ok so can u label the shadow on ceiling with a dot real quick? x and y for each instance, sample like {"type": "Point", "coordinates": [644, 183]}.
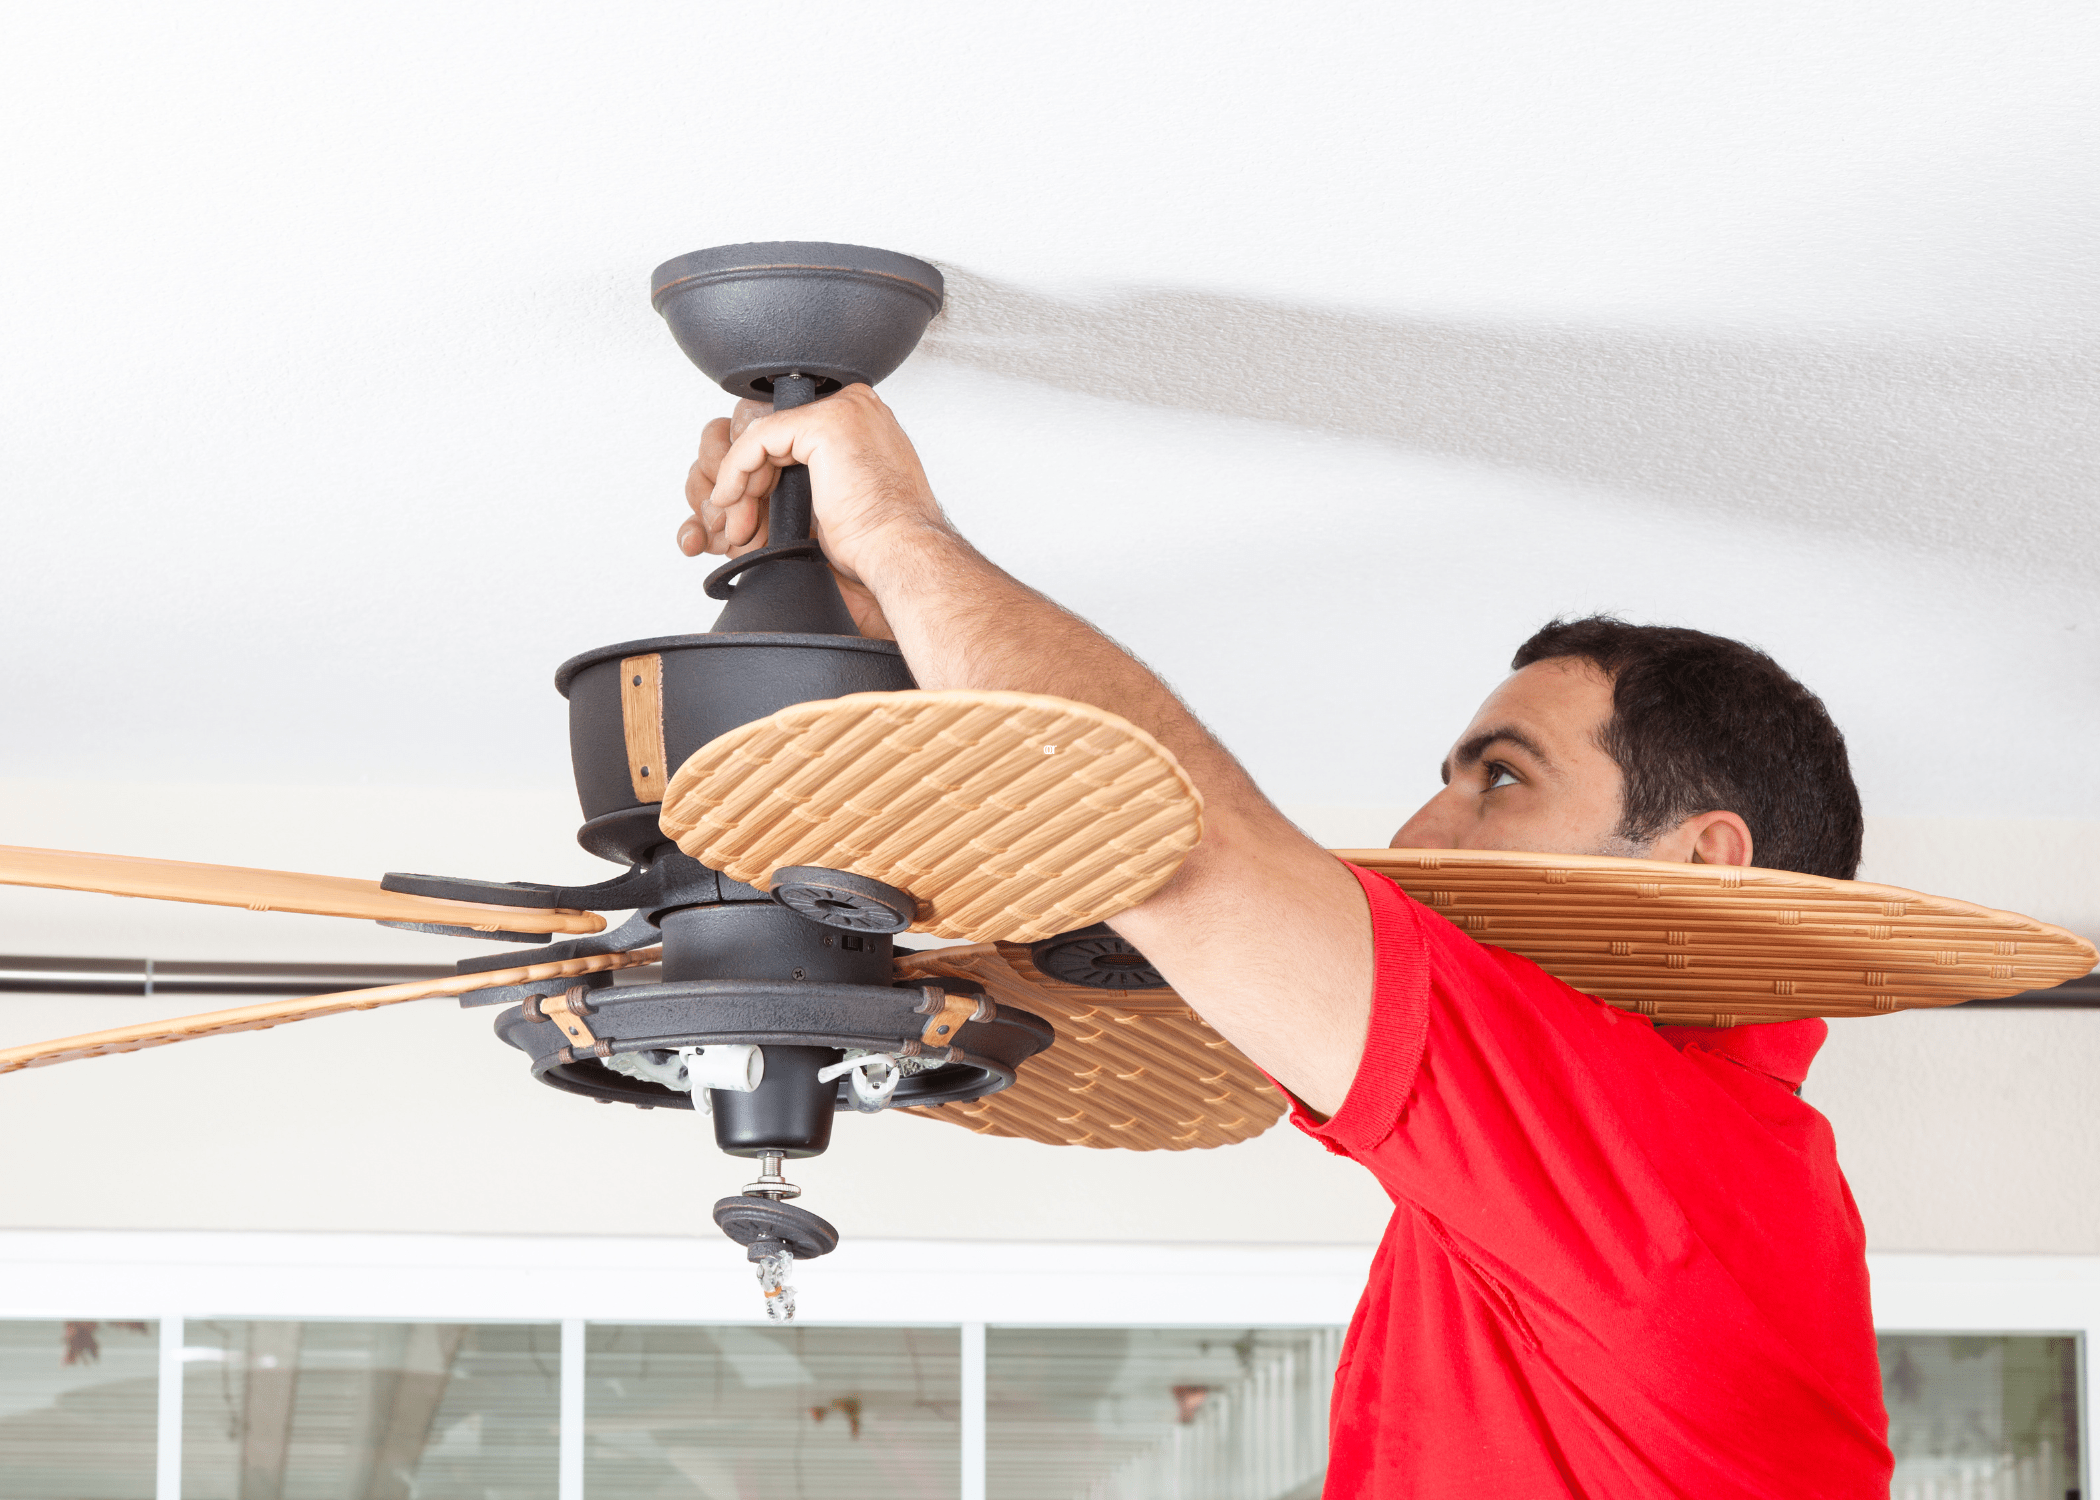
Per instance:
{"type": "Point", "coordinates": [1962, 445]}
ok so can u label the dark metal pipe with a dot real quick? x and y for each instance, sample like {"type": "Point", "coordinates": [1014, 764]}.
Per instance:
{"type": "Point", "coordinates": [790, 512]}
{"type": "Point", "coordinates": [147, 977]}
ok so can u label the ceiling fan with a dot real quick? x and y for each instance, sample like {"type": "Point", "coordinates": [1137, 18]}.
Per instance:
{"type": "Point", "coordinates": [784, 800]}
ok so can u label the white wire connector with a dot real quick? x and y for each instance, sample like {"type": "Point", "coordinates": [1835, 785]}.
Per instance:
{"type": "Point", "coordinates": [871, 1077]}
{"type": "Point", "coordinates": [737, 1067]}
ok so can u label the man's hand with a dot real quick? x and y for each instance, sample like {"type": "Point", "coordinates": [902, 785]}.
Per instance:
{"type": "Point", "coordinates": [1298, 1009]}
{"type": "Point", "coordinates": [865, 477]}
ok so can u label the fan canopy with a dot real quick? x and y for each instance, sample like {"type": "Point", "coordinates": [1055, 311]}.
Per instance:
{"type": "Point", "coordinates": [845, 314]}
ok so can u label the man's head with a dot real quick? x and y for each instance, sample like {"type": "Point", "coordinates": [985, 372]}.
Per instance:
{"type": "Point", "coordinates": [1648, 741]}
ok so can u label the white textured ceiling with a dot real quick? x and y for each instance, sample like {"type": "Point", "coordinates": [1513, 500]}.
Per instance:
{"type": "Point", "coordinates": [1318, 353]}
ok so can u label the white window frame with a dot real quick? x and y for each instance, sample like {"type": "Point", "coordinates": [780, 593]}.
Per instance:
{"type": "Point", "coordinates": [178, 1276]}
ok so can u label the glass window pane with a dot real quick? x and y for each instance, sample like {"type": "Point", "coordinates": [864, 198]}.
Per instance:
{"type": "Point", "coordinates": [385, 1411]}
{"type": "Point", "coordinates": [725, 1413]}
{"type": "Point", "coordinates": [1146, 1413]}
{"type": "Point", "coordinates": [78, 1405]}
{"type": "Point", "coordinates": [1990, 1417]}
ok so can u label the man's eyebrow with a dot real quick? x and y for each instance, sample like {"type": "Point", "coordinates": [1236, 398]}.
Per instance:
{"type": "Point", "coordinates": [1470, 752]}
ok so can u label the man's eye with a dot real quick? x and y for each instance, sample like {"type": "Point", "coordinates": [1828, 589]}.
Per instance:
{"type": "Point", "coordinates": [1499, 776]}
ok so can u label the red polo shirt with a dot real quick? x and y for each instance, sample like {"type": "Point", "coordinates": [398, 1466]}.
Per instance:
{"type": "Point", "coordinates": [1622, 1262]}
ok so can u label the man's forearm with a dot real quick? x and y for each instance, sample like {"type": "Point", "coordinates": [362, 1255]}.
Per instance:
{"type": "Point", "coordinates": [964, 622]}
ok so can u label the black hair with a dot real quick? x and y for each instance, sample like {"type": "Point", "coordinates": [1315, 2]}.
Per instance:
{"type": "Point", "coordinates": [1700, 724]}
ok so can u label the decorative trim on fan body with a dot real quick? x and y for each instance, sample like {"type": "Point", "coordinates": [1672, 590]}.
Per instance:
{"type": "Point", "coordinates": [707, 685]}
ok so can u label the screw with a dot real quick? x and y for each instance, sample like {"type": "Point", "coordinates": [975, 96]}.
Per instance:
{"type": "Point", "coordinates": [645, 770]}
{"type": "Point", "coordinates": [798, 974]}
{"type": "Point", "coordinates": [638, 679]}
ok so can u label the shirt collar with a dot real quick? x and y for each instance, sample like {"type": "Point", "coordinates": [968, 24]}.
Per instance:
{"type": "Point", "coordinates": [1781, 1050]}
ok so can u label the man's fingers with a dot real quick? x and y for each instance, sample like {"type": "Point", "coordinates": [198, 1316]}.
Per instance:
{"type": "Point", "coordinates": [850, 437]}
{"type": "Point", "coordinates": [718, 435]}
{"type": "Point", "coordinates": [741, 523]}
{"type": "Point", "coordinates": [715, 439]}
{"type": "Point", "coordinates": [712, 527]}
{"type": "Point", "coordinates": [734, 522]}
{"type": "Point", "coordinates": [727, 532]}
{"type": "Point", "coordinates": [760, 451]}
{"type": "Point", "coordinates": [700, 481]}
{"type": "Point", "coordinates": [747, 411]}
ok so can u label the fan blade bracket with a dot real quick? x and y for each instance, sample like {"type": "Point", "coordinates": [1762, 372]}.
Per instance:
{"type": "Point", "coordinates": [482, 892]}
{"type": "Point", "coordinates": [638, 931]}
{"type": "Point", "coordinates": [486, 934]}
{"type": "Point", "coordinates": [621, 893]}
{"type": "Point", "coordinates": [665, 878]}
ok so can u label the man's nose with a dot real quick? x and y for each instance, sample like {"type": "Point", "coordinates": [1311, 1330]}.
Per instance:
{"type": "Point", "coordinates": [1434, 825]}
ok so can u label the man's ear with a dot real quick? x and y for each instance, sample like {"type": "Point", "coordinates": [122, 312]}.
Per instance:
{"type": "Point", "coordinates": [1715, 838]}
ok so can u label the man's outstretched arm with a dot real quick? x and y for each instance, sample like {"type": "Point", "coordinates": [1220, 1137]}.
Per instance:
{"type": "Point", "coordinates": [1260, 930]}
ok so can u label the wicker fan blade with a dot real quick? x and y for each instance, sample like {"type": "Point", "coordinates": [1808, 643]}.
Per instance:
{"type": "Point", "coordinates": [1130, 1068]}
{"type": "Point", "coordinates": [1717, 945]}
{"type": "Point", "coordinates": [1686, 944]}
{"type": "Point", "coordinates": [271, 890]}
{"type": "Point", "coordinates": [1007, 815]}
{"type": "Point", "coordinates": [282, 1012]}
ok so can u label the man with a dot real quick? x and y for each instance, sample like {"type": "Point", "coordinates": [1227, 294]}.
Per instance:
{"type": "Point", "coordinates": [1623, 1261]}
